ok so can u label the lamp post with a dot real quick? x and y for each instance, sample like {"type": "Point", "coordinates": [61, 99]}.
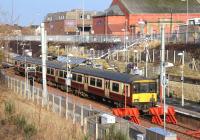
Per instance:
{"type": "Point", "coordinates": [182, 77]}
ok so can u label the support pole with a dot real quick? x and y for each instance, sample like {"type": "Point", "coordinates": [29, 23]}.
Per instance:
{"type": "Point", "coordinates": [162, 73]}
{"type": "Point", "coordinates": [44, 68]}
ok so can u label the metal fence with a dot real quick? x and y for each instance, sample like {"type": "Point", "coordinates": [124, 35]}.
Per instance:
{"type": "Point", "coordinates": [86, 116]}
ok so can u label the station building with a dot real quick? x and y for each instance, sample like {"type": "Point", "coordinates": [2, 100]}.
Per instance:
{"type": "Point", "coordinates": [145, 16]}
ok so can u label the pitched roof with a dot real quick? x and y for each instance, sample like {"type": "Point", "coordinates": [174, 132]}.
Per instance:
{"type": "Point", "coordinates": [161, 6]}
{"type": "Point", "coordinates": [114, 10]}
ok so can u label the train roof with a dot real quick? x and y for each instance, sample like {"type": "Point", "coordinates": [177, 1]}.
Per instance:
{"type": "Point", "coordinates": [53, 64]}
{"type": "Point", "coordinates": [110, 75]}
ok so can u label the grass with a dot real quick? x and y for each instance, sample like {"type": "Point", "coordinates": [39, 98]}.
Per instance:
{"type": "Point", "coordinates": [32, 122]}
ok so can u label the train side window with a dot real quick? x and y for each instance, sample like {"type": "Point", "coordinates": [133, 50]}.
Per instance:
{"type": "Point", "coordinates": [92, 81]}
{"type": "Point", "coordinates": [52, 71]}
{"type": "Point", "coordinates": [74, 77]}
{"type": "Point", "coordinates": [40, 68]}
{"type": "Point", "coordinates": [79, 78]}
{"type": "Point", "coordinates": [99, 83]}
{"type": "Point", "coordinates": [115, 87]}
{"type": "Point", "coordinates": [61, 73]}
{"type": "Point", "coordinates": [86, 79]}
{"type": "Point", "coordinates": [65, 74]}
{"type": "Point", "coordinates": [37, 68]}
{"type": "Point", "coordinates": [48, 71]}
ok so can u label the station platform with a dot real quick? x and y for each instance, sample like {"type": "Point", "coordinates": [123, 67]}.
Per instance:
{"type": "Point", "coordinates": [189, 109]}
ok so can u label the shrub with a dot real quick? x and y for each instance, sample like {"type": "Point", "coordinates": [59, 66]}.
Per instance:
{"type": "Point", "coordinates": [20, 121]}
{"type": "Point", "coordinates": [29, 131]}
{"type": "Point", "coordinates": [9, 110]}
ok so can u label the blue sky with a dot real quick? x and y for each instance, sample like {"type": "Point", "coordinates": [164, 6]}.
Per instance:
{"type": "Point", "coordinates": [28, 12]}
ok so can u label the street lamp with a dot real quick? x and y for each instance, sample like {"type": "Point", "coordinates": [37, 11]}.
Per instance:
{"type": "Point", "coordinates": [182, 77]}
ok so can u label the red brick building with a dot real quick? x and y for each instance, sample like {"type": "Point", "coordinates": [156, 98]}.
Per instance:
{"type": "Point", "coordinates": [145, 16]}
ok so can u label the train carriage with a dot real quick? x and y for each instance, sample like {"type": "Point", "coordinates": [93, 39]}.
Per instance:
{"type": "Point", "coordinates": [113, 87]}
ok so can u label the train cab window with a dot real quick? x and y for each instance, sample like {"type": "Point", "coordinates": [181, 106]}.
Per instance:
{"type": "Point", "coordinates": [152, 87]}
{"type": "Point", "coordinates": [115, 87]}
{"type": "Point", "coordinates": [74, 77]}
{"type": "Point", "coordinates": [136, 88]}
{"type": "Point", "coordinates": [48, 71]}
{"type": "Point", "coordinates": [92, 81]}
{"type": "Point", "coordinates": [52, 71]}
{"type": "Point", "coordinates": [79, 78]}
{"type": "Point", "coordinates": [61, 73]}
{"type": "Point", "coordinates": [29, 65]}
{"type": "Point", "coordinates": [99, 83]}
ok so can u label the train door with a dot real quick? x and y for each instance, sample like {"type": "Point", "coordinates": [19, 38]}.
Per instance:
{"type": "Point", "coordinates": [107, 88]}
{"type": "Point", "coordinates": [86, 83]}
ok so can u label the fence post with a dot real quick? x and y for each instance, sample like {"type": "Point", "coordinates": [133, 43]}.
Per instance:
{"type": "Point", "coordinates": [21, 88]}
{"type": "Point", "coordinates": [174, 56]}
{"type": "Point", "coordinates": [53, 104]}
{"type": "Point", "coordinates": [11, 83]}
{"type": "Point", "coordinates": [66, 114]}
{"type": "Point", "coordinates": [38, 96]}
{"type": "Point", "coordinates": [153, 55]}
{"type": "Point", "coordinates": [74, 116]}
{"type": "Point", "coordinates": [167, 55]}
{"type": "Point", "coordinates": [97, 131]}
{"type": "Point", "coordinates": [85, 126]}
{"type": "Point", "coordinates": [81, 115]}
{"type": "Point", "coordinates": [60, 107]}
{"type": "Point", "coordinates": [33, 94]}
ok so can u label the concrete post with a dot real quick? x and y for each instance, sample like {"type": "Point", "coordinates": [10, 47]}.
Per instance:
{"type": "Point", "coordinates": [153, 55]}
{"type": "Point", "coordinates": [74, 116]}
{"type": "Point", "coordinates": [85, 126]}
{"type": "Point", "coordinates": [167, 55]}
{"type": "Point", "coordinates": [38, 96]}
{"type": "Point", "coordinates": [60, 107]}
{"type": "Point", "coordinates": [53, 104]}
{"type": "Point", "coordinates": [81, 115]}
{"type": "Point", "coordinates": [97, 130]}
{"type": "Point", "coordinates": [21, 88]}
{"type": "Point", "coordinates": [174, 56]}
{"type": "Point", "coordinates": [33, 94]}
{"type": "Point", "coordinates": [66, 114]}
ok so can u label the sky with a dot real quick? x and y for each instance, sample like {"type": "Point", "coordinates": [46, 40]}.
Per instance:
{"type": "Point", "coordinates": [27, 12]}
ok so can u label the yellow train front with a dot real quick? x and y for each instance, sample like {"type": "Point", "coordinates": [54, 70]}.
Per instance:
{"type": "Point", "coordinates": [144, 94]}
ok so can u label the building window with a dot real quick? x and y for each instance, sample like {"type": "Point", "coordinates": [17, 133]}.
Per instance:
{"type": "Point", "coordinates": [88, 16]}
{"type": "Point", "coordinates": [99, 83]}
{"type": "Point", "coordinates": [80, 78]}
{"type": "Point", "coordinates": [74, 77]}
{"type": "Point", "coordinates": [115, 87]}
{"type": "Point", "coordinates": [92, 81]}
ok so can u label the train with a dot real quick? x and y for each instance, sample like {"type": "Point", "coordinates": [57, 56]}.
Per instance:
{"type": "Point", "coordinates": [115, 88]}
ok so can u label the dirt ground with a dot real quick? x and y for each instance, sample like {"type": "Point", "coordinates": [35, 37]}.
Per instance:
{"type": "Point", "coordinates": [49, 125]}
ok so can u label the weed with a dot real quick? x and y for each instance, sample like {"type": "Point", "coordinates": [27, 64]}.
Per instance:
{"type": "Point", "coordinates": [29, 131]}
{"type": "Point", "coordinates": [20, 121]}
{"type": "Point", "coordinates": [9, 110]}
{"type": "Point", "coordinates": [112, 134]}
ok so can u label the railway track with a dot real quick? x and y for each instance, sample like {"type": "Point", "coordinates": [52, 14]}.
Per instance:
{"type": "Point", "coordinates": [183, 131]}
